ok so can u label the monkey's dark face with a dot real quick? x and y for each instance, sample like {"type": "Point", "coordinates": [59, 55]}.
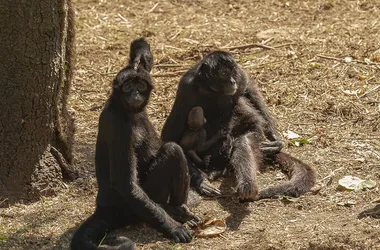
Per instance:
{"type": "Point", "coordinates": [217, 74]}
{"type": "Point", "coordinates": [132, 90]}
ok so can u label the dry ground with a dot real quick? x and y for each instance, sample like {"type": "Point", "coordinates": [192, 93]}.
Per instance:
{"type": "Point", "coordinates": [303, 89]}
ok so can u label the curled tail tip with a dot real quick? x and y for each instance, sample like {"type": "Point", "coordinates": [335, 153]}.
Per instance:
{"type": "Point", "coordinates": [140, 54]}
{"type": "Point", "coordinates": [140, 40]}
{"type": "Point", "coordinates": [139, 44]}
{"type": "Point", "coordinates": [302, 178]}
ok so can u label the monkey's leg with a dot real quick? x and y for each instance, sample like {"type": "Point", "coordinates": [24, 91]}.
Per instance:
{"type": "Point", "coordinates": [168, 182]}
{"type": "Point", "coordinates": [95, 228]}
{"type": "Point", "coordinates": [246, 159]}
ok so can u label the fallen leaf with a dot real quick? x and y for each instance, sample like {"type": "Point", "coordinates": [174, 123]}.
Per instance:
{"type": "Point", "coordinates": [355, 183]}
{"type": "Point", "coordinates": [291, 135]}
{"type": "Point", "coordinates": [299, 143]}
{"type": "Point", "coordinates": [368, 184]}
{"type": "Point", "coordinates": [211, 228]}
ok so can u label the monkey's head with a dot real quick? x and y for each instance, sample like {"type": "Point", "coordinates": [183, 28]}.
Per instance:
{"type": "Point", "coordinates": [196, 118]}
{"type": "Point", "coordinates": [217, 73]}
{"type": "Point", "coordinates": [131, 89]}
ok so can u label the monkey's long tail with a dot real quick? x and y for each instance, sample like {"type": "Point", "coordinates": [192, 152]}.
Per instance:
{"type": "Point", "coordinates": [301, 178]}
{"type": "Point", "coordinates": [92, 232]}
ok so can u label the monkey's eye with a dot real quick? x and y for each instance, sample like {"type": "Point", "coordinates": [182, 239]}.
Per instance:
{"type": "Point", "coordinates": [127, 88]}
{"type": "Point", "coordinates": [141, 86]}
{"type": "Point", "coordinates": [233, 81]}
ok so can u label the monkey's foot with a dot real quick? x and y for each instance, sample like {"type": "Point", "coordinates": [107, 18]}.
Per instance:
{"type": "Point", "coordinates": [206, 160]}
{"type": "Point", "coordinates": [247, 190]}
{"type": "Point", "coordinates": [206, 188]}
{"type": "Point", "coordinates": [271, 147]}
{"type": "Point", "coordinates": [182, 214]}
{"type": "Point", "coordinates": [215, 174]}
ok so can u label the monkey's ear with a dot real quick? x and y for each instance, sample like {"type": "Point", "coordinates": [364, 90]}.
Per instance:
{"type": "Point", "coordinates": [204, 68]}
{"type": "Point", "coordinates": [204, 120]}
{"type": "Point", "coordinates": [115, 85]}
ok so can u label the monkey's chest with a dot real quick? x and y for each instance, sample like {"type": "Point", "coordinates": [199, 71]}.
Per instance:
{"type": "Point", "coordinates": [189, 140]}
{"type": "Point", "coordinates": [145, 144]}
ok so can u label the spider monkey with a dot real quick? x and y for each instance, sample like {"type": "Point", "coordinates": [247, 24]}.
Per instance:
{"type": "Point", "coordinates": [140, 179]}
{"type": "Point", "coordinates": [194, 141]}
{"type": "Point", "coordinates": [232, 102]}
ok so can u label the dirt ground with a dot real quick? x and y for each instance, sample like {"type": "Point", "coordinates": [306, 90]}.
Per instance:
{"type": "Point", "coordinates": [319, 72]}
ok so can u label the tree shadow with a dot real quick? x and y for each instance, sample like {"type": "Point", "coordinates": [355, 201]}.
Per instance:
{"type": "Point", "coordinates": [27, 238]}
{"type": "Point", "coordinates": [139, 233]}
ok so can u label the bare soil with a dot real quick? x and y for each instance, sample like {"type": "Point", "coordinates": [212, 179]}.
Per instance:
{"type": "Point", "coordinates": [319, 73]}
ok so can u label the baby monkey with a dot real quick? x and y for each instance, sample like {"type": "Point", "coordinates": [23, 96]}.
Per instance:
{"type": "Point", "coordinates": [194, 139]}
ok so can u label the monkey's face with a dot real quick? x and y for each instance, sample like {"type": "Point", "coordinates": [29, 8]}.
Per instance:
{"type": "Point", "coordinates": [223, 83]}
{"type": "Point", "coordinates": [196, 118]}
{"type": "Point", "coordinates": [134, 91]}
{"type": "Point", "coordinates": [217, 74]}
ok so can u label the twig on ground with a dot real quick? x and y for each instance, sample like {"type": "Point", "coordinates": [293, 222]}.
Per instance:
{"type": "Point", "coordinates": [342, 60]}
{"type": "Point", "coordinates": [258, 45]}
{"type": "Point", "coordinates": [169, 74]}
{"type": "Point", "coordinates": [370, 91]}
{"type": "Point", "coordinates": [175, 35]}
{"type": "Point", "coordinates": [1, 202]}
{"type": "Point", "coordinates": [123, 18]}
{"type": "Point", "coordinates": [284, 45]}
{"type": "Point", "coordinates": [268, 40]}
{"type": "Point", "coordinates": [170, 65]}
{"type": "Point", "coordinates": [152, 9]}
{"type": "Point", "coordinates": [248, 46]}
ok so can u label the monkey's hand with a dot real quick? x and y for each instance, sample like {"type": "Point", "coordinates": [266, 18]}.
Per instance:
{"type": "Point", "coordinates": [246, 190]}
{"type": "Point", "coordinates": [205, 188]}
{"type": "Point", "coordinates": [183, 214]}
{"type": "Point", "coordinates": [216, 173]}
{"type": "Point", "coordinates": [180, 234]}
{"type": "Point", "coordinates": [271, 147]}
{"type": "Point", "coordinates": [206, 160]}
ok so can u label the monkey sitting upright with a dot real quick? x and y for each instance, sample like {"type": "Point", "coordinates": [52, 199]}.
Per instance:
{"type": "Point", "coordinates": [194, 139]}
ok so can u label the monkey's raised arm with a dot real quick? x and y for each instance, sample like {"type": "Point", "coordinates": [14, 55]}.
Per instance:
{"type": "Point", "coordinates": [255, 97]}
{"type": "Point", "coordinates": [175, 124]}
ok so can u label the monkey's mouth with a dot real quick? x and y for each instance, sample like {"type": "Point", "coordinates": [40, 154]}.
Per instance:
{"type": "Point", "coordinates": [135, 104]}
{"type": "Point", "coordinates": [224, 91]}
{"type": "Point", "coordinates": [229, 91]}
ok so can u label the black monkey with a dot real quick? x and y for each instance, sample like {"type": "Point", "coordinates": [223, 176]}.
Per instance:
{"type": "Point", "coordinates": [139, 179]}
{"type": "Point", "coordinates": [232, 102]}
{"type": "Point", "coordinates": [194, 141]}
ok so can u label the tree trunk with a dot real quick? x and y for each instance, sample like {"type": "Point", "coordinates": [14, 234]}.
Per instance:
{"type": "Point", "coordinates": [36, 130]}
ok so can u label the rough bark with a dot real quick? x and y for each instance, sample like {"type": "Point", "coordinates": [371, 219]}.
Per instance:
{"type": "Point", "coordinates": [36, 130]}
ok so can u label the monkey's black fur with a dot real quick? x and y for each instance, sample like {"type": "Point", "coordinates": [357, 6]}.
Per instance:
{"type": "Point", "coordinates": [233, 103]}
{"type": "Point", "coordinates": [139, 178]}
{"type": "Point", "coordinates": [140, 55]}
{"type": "Point", "coordinates": [194, 140]}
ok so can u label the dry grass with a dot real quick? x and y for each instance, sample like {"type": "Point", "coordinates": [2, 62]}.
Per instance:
{"type": "Point", "coordinates": [304, 91]}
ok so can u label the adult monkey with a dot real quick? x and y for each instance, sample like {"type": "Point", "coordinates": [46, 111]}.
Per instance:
{"type": "Point", "coordinates": [233, 103]}
{"type": "Point", "coordinates": [139, 179]}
